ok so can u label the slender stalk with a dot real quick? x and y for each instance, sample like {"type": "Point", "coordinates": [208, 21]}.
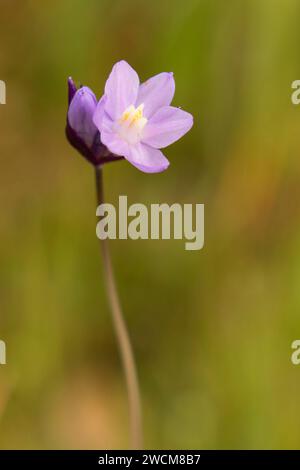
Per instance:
{"type": "Point", "coordinates": [121, 334]}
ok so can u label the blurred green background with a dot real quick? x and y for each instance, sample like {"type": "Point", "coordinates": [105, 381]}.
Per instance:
{"type": "Point", "coordinates": [212, 330]}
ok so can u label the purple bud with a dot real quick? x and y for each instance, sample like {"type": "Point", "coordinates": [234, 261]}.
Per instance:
{"type": "Point", "coordinates": [80, 115]}
{"type": "Point", "coordinates": [72, 89]}
{"type": "Point", "coordinates": [81, 131]}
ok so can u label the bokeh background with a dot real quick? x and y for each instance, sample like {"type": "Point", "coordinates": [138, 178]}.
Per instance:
{"type": "Point", "coordinates": [212, 330]}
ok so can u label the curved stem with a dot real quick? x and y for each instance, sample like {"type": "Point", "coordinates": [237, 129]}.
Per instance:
{"type": "Point", "coordinates": [121, 334]}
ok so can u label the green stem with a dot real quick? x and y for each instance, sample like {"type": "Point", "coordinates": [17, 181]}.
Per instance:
{"type": "Point", "coordinates": [122, 335]}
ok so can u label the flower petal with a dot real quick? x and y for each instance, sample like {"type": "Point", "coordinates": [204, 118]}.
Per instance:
{"type": "Point", "coordinates": [99, 112]}
{"type": "Point", "coordinates": [80, 115]}
{"type": "Point", "coordinates": [121, 89]}
{"type": "Point", "coordinates": [147, 159]}
{"type": "Point", "coordinates": [166, 126]}
{"type": "Point", "coordinates": [156, 92]}
{"type": "Point", "coordinates": [111, 139]}
{"type": "Point", "coordinates": [142, 156]}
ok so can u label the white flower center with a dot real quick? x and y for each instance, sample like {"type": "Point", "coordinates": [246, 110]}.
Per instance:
{"type": "Point", "coordinates": [131, 124]}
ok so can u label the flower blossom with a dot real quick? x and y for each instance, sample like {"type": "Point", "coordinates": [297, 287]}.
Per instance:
{"type": "Point", "coordinates": [131, 120]}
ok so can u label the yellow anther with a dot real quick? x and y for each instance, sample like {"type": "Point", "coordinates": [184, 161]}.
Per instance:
{"type": "Point", "coordinates": [128, 113]}
{"type": "Point", "coordinates": [131, 123]}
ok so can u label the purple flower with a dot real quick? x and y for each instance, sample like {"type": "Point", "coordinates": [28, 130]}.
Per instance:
{"type": "Point", "coordinates": [81, 130]}
{"type": "Point", "coordinates": [135, 121]}
{"type": "Point", "coordinates": [130, 121]}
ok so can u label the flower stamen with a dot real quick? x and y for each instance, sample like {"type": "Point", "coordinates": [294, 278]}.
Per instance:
{"type": "Point", "coordinates": [131, 124]}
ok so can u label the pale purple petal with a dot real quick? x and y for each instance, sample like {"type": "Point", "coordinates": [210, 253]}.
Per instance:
{"type": "Point", "coordinates": [106, 124]}
{"type": "Point", "coordinates": [142, 156]}
{"type": "Point", "coordinates": [166, 126]}
{"type": "Point", "coordinates": [121, 89]}
{"type": "Point", "coordinates": [147, 159]}
{"type": "Point", "coordinates": [113, 142]}
{"type": "Point", "coordinates": [99, 112]}
{"type": "Point", "coordinates": [156, 92]}
{"type": "Point", "coordinates": [80, 115]}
